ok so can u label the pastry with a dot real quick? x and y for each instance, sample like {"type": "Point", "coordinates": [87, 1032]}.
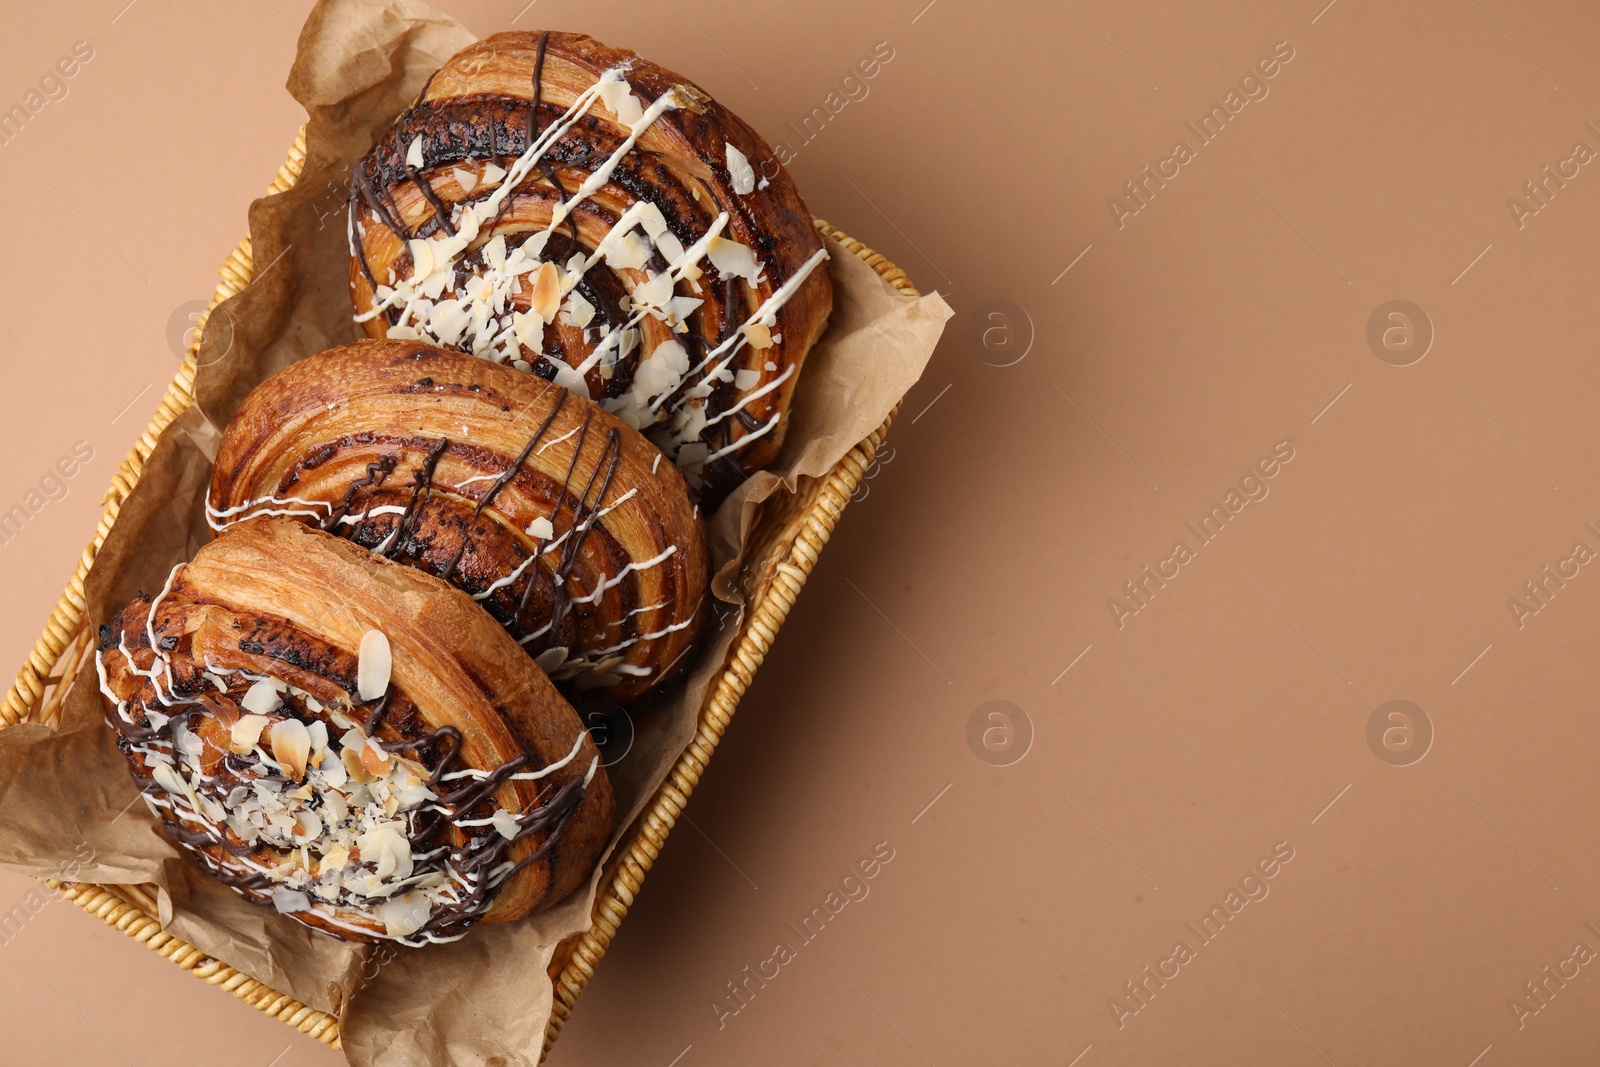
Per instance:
{"type": "Point", "coordinates": [566, 524]}
{"type": "Point", "coordinates": [351, 741]}
{"type": "Point", "coordinates": [579, 212]}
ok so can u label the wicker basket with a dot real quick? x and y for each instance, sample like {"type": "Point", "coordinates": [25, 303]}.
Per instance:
{"type": "Point", "coordinates": [784, 548]}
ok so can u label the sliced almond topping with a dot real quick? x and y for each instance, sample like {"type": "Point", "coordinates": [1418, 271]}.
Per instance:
{"type": "Point", "coordinates": [319, 740]}
{"type": "Point", "coordinates": [494, 253]}
{"type": "Point", "coordinates": [168, 779]}
{"type": "Point", "coordinates": [374, 760]}
{"type": "Point", "coordinates": [226, 711]}
{"type": "Point", "coordinates": [582, 311]}
{"type": "Point", "coordinates": [261, 698]}
{"type": "Point", "coordinates": [373, 664]}
{"type": "Point", "coordinates": [505, 823]}
{"type": "Point", "coordinates": [620, 100]}
{"type": "Point", "coordinates": [414, 153]}
{"type": "Point", "coordinates": [529, 329]}
{"type": "Point", "coordinates": [291, 746]}
{"type": "Point", "coordinates": [651, 218]}
{"type": "Point", "coordinates": [404, 915]}
{"type": "Point", "coordinates": [687, 96]}
{"type": "Point", "coordinates": [352, 765]}
{"type": "Point", "coordinates": [758, 335]}
{"type": "Point", "coordinates": [739, 169]}
{"type": "Point", "coordinates": [627, 252]}
{"type": "Point", "coordinates": [422, 258]}
{"type": "Point", "coordinates": [731, 257]}
{"type": "Point", "coordinates": [289, 901]}
{"type": "Point", "coordinates": [547, 291]}
{"type": "Point", "coordinates": [246, 733]}
{"type": "Point", "coordinates": [492, 174]}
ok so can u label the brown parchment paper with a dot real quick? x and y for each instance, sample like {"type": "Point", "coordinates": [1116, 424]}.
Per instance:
{"type": "Point", "coordinates": [68, 807]}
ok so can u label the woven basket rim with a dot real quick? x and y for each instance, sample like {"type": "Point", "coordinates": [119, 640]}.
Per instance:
{"type": "Point", "coordinates": [64, 645]}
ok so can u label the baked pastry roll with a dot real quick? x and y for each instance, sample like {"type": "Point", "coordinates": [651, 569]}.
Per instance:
{"type": "Point", "coordinates": [580, 212]}
{"type": "Point", "coordinates": [350, 740]}
{"type": "Point", "coordinates": [567, 525]}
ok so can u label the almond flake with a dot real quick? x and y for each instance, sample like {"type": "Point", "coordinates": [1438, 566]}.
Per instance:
{"type": "Point", "coordinates": [373, 665]}
{"type": "Point", "coordinates": [289, 901]}
{"type": "Point", "coordinates": [627, 252]}
{"type": "Point", "coordinates": [465, 178]}
{"type": "Point", "coordinates": [541, 528]}
{"type": "Point", "coordinates": [547, 291]}
{"type": "Point", "coordinates": [679, 308]}
{"type": "Point", "coordinates": [731, 257]}
{"type": "Point", "coordinates": [759, 336]}
{"type": "Point", "coordinates": [744, 178]}
{"type": "Point", "coordinates": [422, 258]}
{"type": "Point", "coordinates": [414, 153]}
{"type": "Point", "coordinates": [494, 253]}
{"type": "Point", "coordinates": [581, 310]}
{"type": "Point", "coordinates": [651, 218]}
{"type": "Point", "coordinates": [529, 329]}
{"type": "Point", "coordinates": [621, 102]}
{"type": "Point", "coordinates": [374, 760]}
{"type": "Point", "coordinates": [261, 698]}
{"type": "Point", "coordinates": [168, 779]}
{"type": "Point", "coordinates": [404, 915]}
{"type": "Point", "coordinates": [492, 174]}
{"type": "Point", "coordinates": [291, 746]}
{"type": "Point", "coordinates": [351, 759]}
{"type": "Point", "coordinates": [227, 712]}
{"type": "Point", "coordinates": [246, 733]}
{"type": "Point", "coordinates": [319, 739]}
{"type": "Point", "coordinates": [670, 246]}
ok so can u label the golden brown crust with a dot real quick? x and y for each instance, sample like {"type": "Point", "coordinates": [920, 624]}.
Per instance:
{"type": "Point", "coordinates": [274, 599]}
{"type": "Point", "coordinates": [339, 440]}
{"type": "Point", "coordinates": [477, 110]}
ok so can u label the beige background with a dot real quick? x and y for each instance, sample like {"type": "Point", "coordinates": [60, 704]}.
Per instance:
{"type": "Point", "coordinates": [1228, 715]}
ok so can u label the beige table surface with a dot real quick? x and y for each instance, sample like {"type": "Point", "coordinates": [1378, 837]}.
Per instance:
{"type": "Point", "coordinates": [1157, 352]}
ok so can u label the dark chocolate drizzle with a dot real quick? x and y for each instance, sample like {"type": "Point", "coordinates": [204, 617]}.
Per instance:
{"type": "Point", "coordinates": [580, 531]}
{"type": "Point", "coordinates": [434, 742]}
{"type": "Point", "coordinates": [377, 471]}
{"type": "Point", "coordinates": [538, 86]}
{"type": "Point", "coordinates": [500, 482]}
{"type": "Point", "coordinates": [549, 173]}
{"type": "Point", "coordinates": [583, 433]}
{"type": "Point", "coordinates": [380, 709]}
{"type": "Point", "coordinates": [358, 246]}
{"type": "Point", "coordinates": [363, 184]}
{"type": "Point", "coordinates": [425, 187]}
{"type": "Point", "coordinates": [422, 479]}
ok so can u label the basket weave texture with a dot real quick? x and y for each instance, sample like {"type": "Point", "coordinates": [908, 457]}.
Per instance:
{"type": "Point", "coordinates": [784, 549]}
